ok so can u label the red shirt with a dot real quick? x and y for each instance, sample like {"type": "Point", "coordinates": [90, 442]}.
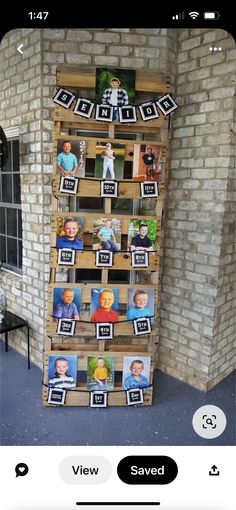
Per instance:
{"type": "Point", "coordinates": [100, 315]}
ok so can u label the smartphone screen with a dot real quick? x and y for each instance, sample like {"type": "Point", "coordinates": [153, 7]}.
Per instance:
{"type": "Point", "coordinates": [117, 259]}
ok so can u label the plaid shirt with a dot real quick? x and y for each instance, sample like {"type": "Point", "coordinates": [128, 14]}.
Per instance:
{"type": "Point", "coordinates": [122, 97]}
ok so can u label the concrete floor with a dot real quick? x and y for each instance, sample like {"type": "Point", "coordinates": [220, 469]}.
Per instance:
{"type": "Point", "coordinates": [24, 420]}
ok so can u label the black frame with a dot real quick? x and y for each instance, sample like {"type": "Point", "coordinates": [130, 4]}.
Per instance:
{"type": "Point", "coordinates": [148, 323]}
{"type": "Point", "coordinates": [66, 263]}
{"type": "Point", "coordinates": [70, 321]}
{"type": "Point", "coordinates": [92, 395]}
{"type": "Point", "coordinates": [60, 391]}
{"type": "Point", "coordinates": [104, 324]}
{"type": "Point", "coordinates": [73, 180]}
{"type": "Point", "coordinates": [136, 253]}
{"type": "Point", "coordinates": [134, 390]}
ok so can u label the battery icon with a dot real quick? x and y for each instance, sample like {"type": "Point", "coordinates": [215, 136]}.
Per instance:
{"type": "Point", "coordinates": [211, 15]}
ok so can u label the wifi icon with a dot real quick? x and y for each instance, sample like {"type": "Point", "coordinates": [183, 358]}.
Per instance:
{"type": "Point", "coordinates": [194, 14]}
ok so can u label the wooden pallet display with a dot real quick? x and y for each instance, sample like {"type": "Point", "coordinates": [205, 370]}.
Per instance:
{"type": "Point", "coordinates": [83, 343]}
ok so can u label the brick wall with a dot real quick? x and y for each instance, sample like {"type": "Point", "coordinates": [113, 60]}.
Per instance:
{"type": "Point", "coordinates": [198, 304]}
{"type": "Point", "coordinates": [196, 325]}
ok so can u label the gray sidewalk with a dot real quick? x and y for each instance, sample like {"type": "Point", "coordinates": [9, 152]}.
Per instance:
{"type": "Point", "coordinates": [24, 420]}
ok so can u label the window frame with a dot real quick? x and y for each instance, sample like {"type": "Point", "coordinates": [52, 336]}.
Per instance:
{"type": "Point", "coordinates": [12, 136]}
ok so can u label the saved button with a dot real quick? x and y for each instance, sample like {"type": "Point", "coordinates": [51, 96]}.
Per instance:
{"type": "Point", "coordinates": [147, 469]}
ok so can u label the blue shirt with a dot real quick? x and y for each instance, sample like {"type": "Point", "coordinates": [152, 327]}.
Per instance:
{"type": "Point", "coordinates": [106, 233]}
{"type": "Point", "coordinates": [66, 311]}
{"type": "Point", "coordinates": [130, 382]}
{"type": "Point", "coordinates": [137, 313]}
{"type": "Point", "coordinates": [63, 242]}
{"type": "Point", "coordinates": [67, 160]}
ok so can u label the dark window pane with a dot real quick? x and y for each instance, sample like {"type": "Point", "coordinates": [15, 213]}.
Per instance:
{"type": "Point", "coordinates": [15, 167]}
{"type": "Point", "coordinates": [12, 251]}
{"type": "Point", "coordinates": [16, 188]}
{"type": "Point", "coordinates": [2, 220]}
{"type": "Point", "coordinates": [2, 249]}
{"type": "Point", "coordinates": [7, 188]}
{"type": "Point", "coordinates": [19, 224]}
{"type": "Point", "coordinates": [20, 254]}
{"type": "Point", "coordinates": [12, 222]}
{"type": "Point", "coordinates": [7, 166]}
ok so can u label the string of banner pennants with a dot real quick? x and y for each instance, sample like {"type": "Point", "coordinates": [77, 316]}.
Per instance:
{"type": "Point", "coordinates": [104, 112]}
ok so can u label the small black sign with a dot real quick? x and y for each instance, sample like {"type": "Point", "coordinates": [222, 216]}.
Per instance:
{"type": "Point", "coordinates": [127, 114]}
{"type": "Point", "coordinates": [142, 326]}
{"type": "Point", "coordinates": [66, 327]}
{"type": "Point", "coordinates": [139, 258]}
{"type": "Point", "coordinates": [56, 396]}
{"type": "Point", "coordinates": [98, 399]}
{"type": "Point", "coordinates": [84, 108]}
{"type": "Point", "coordinates": [148, 189]}
{"type": "Point", "coordinates": [66, 257]}
{"type": "Point", "coordinates": [104, 331]}
{"type": "Point", "coordinates": [104, 258]}
{"type": "Point", "coordinates": [64, 98]}
{"type": "Point", "coordinates": [68, 185]}
{"type": "Point", "coordinates": [134, 396]}
{"type": "Point", "coordinates": [104, 113]}
{"type": "Point", "coordinates": [148, 111]}
{"type": "Point", "coordinates": [108, 189]}
{"type": "Point", "coordinates": [166, 104]}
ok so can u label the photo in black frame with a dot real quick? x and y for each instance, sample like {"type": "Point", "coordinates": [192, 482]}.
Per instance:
{"type": "Point", "coordinates": [66, 257]}
{"type": "Point", "coordinates": [66, 327]}
{"type": "Point", "coordinates": [104, 258]}
{"type": "Point", "coordinates": [142, 326]}
{"type": "Point", "coordinates": [104, 330]}
{"type": "Point", "coordinates": [166, 104]}
{"type": "Point", "coordinates": [64, 98]}
{"type": "Point", "coordinates": [109, 189]}
{"type": "Point", "coordinates": [68, 185]}
{"type": "Point", "coordinates": [98, 399]}
{"type": "Point", "coordinates": [84, 108]}
{"type": "Point", "coordinates": [56, 396]}
{"type": "Point", "coordinates": [148, 189]}
{"type": "Point", "coordinates": [134, 396]}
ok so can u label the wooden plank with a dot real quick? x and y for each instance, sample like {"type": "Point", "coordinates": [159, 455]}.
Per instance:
{"type": "Point", "coordinates": [67, 346]}
{"type": "Point", "coordinates": [81, 77]}
{"type": "Point", "coordinates": [115, 398]}
{"type": "Point", "coordinates": [89, 219]}
{"type": "Point", "coordinates": [67, 115]}
{"type": "Point", "coordinates": [88, 329]}
{"type": "Point", "coordinates": [121, 261]}
{"type": "Point", "coordinates": [91, 188]}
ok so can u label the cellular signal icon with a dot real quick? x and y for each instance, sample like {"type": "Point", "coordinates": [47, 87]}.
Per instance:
{"type": "Point", "coordinates": [178, 16]}
{"type": "Point", "coordinates": [194, 14]}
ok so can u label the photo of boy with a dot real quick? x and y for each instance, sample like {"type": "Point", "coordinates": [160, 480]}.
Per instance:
{"type": "Point", "coordinates": [62, 371]}
{"type": "Point", "coordinates": [109, 163]}
{"type": "Point", "coordinates": [140, 304]}
{"type": "Point", "coordinates": [100, 373]}
{"type": "Point", "coordinates": [115, 87]}
{"type": "Point", "coordinates": [107, 234]}
{"type": "Point", "coordinates": [136, 372]}
{"type": "Point", "coordinates": [147, 162]}
{"type": "Point", "coordinates": [104, 305]}
{"type": "Point", "coordinates": [142, 235]}
{"type": "Point", "coordinates": [70, 233]}
{"type": "Point", "coordinates": [66, 303]}
{"type": "Point", "coordinates": [71, 157]}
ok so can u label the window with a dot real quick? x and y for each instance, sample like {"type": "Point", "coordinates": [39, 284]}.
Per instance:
{"type": "Point", "coordinates": [10, 210]}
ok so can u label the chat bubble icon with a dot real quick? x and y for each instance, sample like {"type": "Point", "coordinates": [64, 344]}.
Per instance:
{"type": "Point", "coordinates": [21, 469]}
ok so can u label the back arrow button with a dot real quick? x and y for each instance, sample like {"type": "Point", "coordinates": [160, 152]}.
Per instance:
{"type": "Point", "coordinates": [19, 48]}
